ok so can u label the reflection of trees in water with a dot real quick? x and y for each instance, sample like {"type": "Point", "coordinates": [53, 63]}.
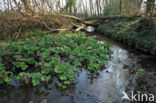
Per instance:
{"type": "Point", "coordinates": [92, 76]}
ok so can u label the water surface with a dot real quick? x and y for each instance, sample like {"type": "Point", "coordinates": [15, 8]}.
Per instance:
{"type": "Point", "coordinates": [106, 86]}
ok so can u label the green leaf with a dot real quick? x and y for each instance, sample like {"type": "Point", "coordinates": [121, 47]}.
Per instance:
{"type": "Point", "coordinates": [8, 80]}
{"type": "Point", "coordinates": [21, 65]}
{"type": "Point", "coordinates": [48, 78]}
{"type": "Point", "coordinates": [1, 82]}
{"type": "Point", "coordinates": [63, 77]}
{"type": "Point", "coordinates": [27, 81]}
{"type": "Point", "coordinates": [67, 82]}
{"type": "Point", "coordinates": [43, 78]}
{"type": "Point", "coordinates": [64, 86]}
{"type": "Point", "coordinates": [35, 82]}
{"type": "Point", "coordinates": [60, 84]}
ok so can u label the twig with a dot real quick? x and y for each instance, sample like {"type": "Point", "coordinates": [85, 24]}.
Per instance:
{"type": "Point", "coordinates": [18, 33]}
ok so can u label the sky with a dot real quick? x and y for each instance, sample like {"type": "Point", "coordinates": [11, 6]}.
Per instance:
{"type": "Point", "coordinates": [79, 4]}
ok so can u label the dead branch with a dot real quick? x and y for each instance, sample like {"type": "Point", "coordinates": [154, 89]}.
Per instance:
{"type": "Point", "coordinates": [79, 27]}
{"type": "Point", "coordinates": [75, 18]}
{"type": "Point", "coordinates": [52, 30]}
{"type": "Point", "coordinates": [17, 35]}
{"type": "Point", "coordinates": [55, 30]}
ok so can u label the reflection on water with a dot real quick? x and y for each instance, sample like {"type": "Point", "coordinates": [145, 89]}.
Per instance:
{"type": "Point", "coordinates": [103, 87]}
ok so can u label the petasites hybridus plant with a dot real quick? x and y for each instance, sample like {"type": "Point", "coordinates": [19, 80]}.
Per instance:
{"type": "Point", "coordinates": [33, 62]}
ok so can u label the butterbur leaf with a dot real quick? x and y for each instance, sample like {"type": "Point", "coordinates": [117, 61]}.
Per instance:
{"type": "Point", "coordinates": [48, 78]}
{"type": "Point", "coordinates": [63, 77]}
{"type": "Point", "coordinates": [27, 81]}
{"type": "Point", "coordinates": [42, 78]}
{"type": "Point", "coordinates": [89, 47]}
{"type": "Point", "coordinates": [8, 80]}
{"type": "Point", "coordinates": [71, 76]}
{"type": "Point", "coordinates": [35, 82]}
{"type": "Point", "coordinates": [78, 64]}
{"type": "Point", "coordinates": [2, 67]}
{"type": "Point", "coordinates": [90, 67]}
{"type": "Point", "coordinates": [58, 69]}
{"type": "Point", "coordinates": [1, 82]}
{"type": "Point", "coordinates": [30, 52]}
{"type": "Point", "coordinates": [64, 86]}
{"type": "Point", "coordinates": [37, 64]}
{"type": "Point", "coordinates": [60, 84]}
{"type": "Point", "coordinates": [21, 65]}
{"type": "Point", "coordinates": [73, 68]}
{"type": "Point", "coordinates": [67, 82]}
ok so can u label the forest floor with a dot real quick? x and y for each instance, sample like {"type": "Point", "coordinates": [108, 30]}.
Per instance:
{"type": "Point", "coordinates": [132, 31]}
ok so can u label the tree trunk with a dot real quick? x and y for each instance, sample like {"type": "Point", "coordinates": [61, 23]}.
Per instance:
{"type": "Point", "coordinates": [120, 6]}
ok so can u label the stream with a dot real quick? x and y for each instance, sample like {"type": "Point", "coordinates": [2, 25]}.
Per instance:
{"type": "Point", "coordinates": [106, 86]}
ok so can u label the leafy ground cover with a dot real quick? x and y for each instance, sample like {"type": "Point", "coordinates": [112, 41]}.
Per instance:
{"type": "Point", "coordinates": [131, 30]}
{"type": "Point", "coordinates": [40, 59]}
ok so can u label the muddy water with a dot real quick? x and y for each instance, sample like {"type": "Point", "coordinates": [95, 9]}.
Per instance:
{"type": "Point", "coordinates": [103, 87]}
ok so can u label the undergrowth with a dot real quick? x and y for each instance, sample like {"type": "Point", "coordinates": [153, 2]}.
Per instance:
{"type": "Point", "coordinates": [132, 31]}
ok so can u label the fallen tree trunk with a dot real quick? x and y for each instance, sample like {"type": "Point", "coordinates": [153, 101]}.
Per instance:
{"type": "Point", "coordinates": [82, 23]}
{"type": "Point", "coordinates": [75, 18]}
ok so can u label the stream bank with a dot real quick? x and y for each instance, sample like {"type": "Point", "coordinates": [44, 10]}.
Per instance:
{"type": "Point", "coordinates": [145, 83]}
{"type": "Point", "coordinates": [135, 33]}
{"type": "Point", "coordinates": [130, 30]}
